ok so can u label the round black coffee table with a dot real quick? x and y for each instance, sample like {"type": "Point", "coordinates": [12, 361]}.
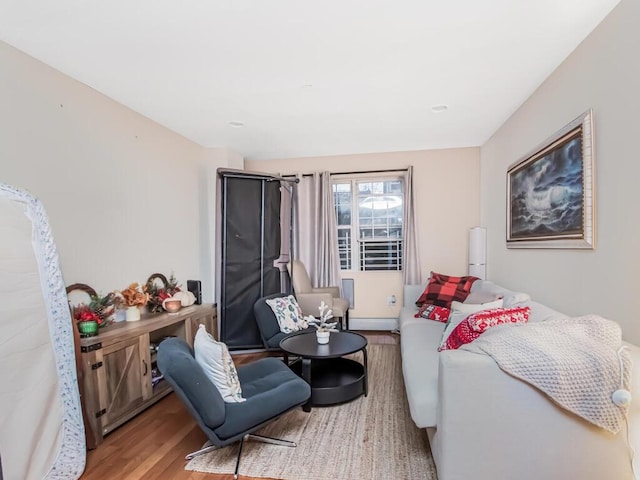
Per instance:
{"type": "Point", "coordinates": [333, 379]}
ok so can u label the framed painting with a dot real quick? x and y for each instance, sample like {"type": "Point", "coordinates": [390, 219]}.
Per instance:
{"type": "Point", "coordinates": [551, 191]}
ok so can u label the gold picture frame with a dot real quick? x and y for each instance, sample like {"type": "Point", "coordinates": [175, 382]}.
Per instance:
{"type": "Point", "coordinates": [551, 191]}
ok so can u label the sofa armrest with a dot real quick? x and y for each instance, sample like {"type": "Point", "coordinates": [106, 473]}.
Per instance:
{"type": "Point", "coordinates": [491, 425]}
{"type": "Point", "coordinates": [411, 293]}
{"type": "Point", "coordinates": [333, 291]}
{"type": "Point", "coordinates": [309, 302]}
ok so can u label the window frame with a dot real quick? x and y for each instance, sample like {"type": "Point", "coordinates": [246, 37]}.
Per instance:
{"type": "Point", "coordinates": [356, 241]}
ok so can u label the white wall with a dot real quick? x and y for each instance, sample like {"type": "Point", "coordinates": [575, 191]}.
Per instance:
{"type": "Point", "coordinates": [447, 193]}
{"type": "Point", "coordinates": [125, 196]}
{"type": "Point", "coordinates": [603, 73]}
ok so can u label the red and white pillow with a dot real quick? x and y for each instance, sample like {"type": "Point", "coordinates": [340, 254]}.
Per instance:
{"type": "Point", "coordinates": [480, 321]}
{"type": "Point", "coordinates": [433, 312]}
{"type": "Point", "coordinates": [444, 289]}
{"type": "Point", "coordinates": [475, 324]}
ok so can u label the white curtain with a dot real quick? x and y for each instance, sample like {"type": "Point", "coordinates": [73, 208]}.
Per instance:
{"type": "Point", "coordinates": [315, 236]}
{"type": "Point", "coordinates": [410, 252]}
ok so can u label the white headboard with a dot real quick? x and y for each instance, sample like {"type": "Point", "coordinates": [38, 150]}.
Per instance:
{"type": "Point", "coordinates": [41, 429]}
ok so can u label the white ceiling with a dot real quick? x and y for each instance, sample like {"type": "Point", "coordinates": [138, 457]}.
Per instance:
{"type": "Point", "coordinates": [309, 78]}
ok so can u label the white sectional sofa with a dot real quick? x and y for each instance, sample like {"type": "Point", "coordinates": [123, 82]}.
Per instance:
{"type": "Point", "coordinates": [484, 424]}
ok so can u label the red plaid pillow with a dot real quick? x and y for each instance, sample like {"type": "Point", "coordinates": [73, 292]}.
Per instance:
{"type": "Point", "coordinates": [463, 282]}
{"type": "Point", "coordinates": [474, 325]}
{"type": "Point", "coordinates": [433, 312]}
{"type": "Point", "coordinates": [444, 289]}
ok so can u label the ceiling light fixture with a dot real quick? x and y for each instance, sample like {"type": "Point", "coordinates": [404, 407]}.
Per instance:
{"type": "Point", "coordinates": [439, 108]}
{"type": "Point", "coordinates": [236, 124]}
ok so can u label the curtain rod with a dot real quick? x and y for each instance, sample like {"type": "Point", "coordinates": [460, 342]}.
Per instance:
{"type": "Point", "coordinates": [361, 172]}
{"type": "Point", "coordinates": [391, 170]}
{"type": "Point", "coordinates": [233, 173]}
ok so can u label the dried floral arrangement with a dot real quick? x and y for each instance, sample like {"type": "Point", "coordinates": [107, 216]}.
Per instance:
{"type": "Point", "coordinates": [99, 308]}
{"type": "Point", "coordinates": [134, 296]}
{"type": "Point", "coordinates": [157, 294]}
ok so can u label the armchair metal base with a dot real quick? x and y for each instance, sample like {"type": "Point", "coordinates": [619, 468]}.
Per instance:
{"type": "Point", "coordinates": [206, 448]}
{"type": "Point", "coordinates": [249, 436]}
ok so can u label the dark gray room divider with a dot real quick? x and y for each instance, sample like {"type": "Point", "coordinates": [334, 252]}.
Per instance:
{"type": "Point", "coordinates": [251, 261]}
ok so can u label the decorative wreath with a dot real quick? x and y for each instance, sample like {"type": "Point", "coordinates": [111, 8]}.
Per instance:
{"type": "Point", "coordinates": [158, 293]}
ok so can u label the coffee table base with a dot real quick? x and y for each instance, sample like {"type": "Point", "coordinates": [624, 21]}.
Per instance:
{"type": "Point", "coordinates": [332, 380]}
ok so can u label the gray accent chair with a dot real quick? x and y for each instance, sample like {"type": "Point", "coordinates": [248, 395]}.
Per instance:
{"type": "Point", "coordinates": [269, 386]}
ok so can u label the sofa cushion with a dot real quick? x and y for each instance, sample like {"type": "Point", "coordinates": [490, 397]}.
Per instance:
{"type": "Point", "coordinates": [482, 297]}
{"type": "Point", "coordinates": [509, 297]}
{"type": "Point", "coordinates": [419, 347]}
{"type": "Point", "coordinates": [443, 289]}
{"type": "Point", "coordinates": [542, 313]}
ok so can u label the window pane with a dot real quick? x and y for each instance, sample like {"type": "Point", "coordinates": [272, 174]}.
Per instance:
{"type": "Point", "coordinates": [394, 187]}
{"type": "Point", "coordinates": [380, 207]}
{"type": "Point", "coordinates": [344, 248]}
{"type": "Point", "coordinates": [344, 215]}
{"type": "Point", "coordinates": [364, 187]}
{"type": "Point", "coordinates": [372, 210]}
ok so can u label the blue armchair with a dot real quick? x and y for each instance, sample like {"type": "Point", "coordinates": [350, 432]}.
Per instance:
{"type": "Point", "coordinates": [269, 386]}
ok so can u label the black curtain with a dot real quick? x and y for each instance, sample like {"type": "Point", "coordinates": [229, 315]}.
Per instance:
{"type": "Point", "coordinates": [250, 246]}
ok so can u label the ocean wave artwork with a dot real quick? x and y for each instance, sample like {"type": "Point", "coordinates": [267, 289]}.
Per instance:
{"type": "Point", "coordinates": [547, 194]}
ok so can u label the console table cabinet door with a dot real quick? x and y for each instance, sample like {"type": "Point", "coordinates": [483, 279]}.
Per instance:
{"type": "Point", "coordinates": [193, 322]}
{"type": "Point", "coordinates": [124, 379]}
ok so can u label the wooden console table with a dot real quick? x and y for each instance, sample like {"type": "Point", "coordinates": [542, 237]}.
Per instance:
{"type": "Point", "coordinates": [119, 372]}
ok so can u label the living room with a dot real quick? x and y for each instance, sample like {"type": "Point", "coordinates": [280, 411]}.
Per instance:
{"type": "Point", "coordinates": [121, 190]}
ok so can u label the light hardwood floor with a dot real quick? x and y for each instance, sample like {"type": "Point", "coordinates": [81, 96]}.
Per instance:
{"type": "Point", "coordinates": [152, 446]}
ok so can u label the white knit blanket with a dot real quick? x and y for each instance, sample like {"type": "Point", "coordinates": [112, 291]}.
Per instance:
{"type": "Point", "coordinates": [574, 361]}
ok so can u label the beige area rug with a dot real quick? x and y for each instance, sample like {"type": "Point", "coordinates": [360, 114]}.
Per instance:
{"type": "Point", "coordinates": [370, 437]}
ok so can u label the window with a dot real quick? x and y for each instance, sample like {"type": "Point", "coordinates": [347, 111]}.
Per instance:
{"type": "Point", "coordinates": [369, 219]}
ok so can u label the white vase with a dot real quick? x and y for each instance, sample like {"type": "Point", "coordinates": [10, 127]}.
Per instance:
{"type": "Point", "coordinates": [133, 314]}
{"type": "Point", "coordinates": [322, 337]}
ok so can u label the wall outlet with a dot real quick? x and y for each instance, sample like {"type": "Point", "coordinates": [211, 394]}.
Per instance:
{"type": "Point", "coordinates": [391, 300]}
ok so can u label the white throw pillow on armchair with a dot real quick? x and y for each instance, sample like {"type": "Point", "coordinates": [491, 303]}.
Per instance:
{"type": "Point", "coordinates": [217, 364]}
{"type": "Point", "coordinates": [288, 313]}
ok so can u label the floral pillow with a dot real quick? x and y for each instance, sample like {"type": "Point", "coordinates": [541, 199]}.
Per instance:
{"type": "Point", "coordinates": [288, 313]}
{"type": "Point", "coordinates": [474, 325]}
{"type": "Point", "coordinates": [433, 312]}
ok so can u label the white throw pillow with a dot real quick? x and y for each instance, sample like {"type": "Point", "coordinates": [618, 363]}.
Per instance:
{"type": "Point", "coordinates": [470, 308]}
{"type": "Point", "coordinates": [288, 313]}
{"type": "Point", "coordinates": [214, 358]}
{"type": "Point", "coordinates": [455, 319]}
